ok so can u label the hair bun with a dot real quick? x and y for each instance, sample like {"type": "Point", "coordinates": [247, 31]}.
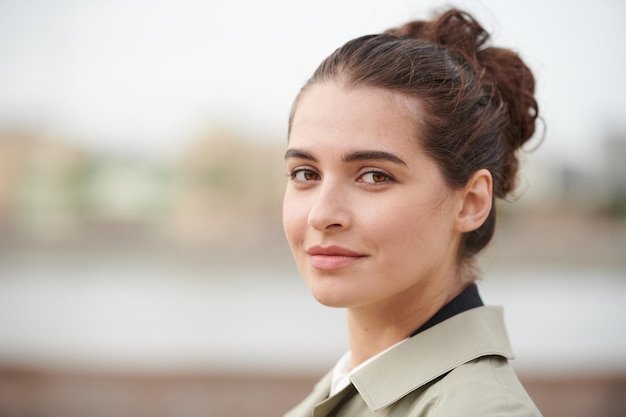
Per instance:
{"type": "Point", "coordinates": [502, 74]}
{"type": "Point", "coordinates": [455, 30]}
{"type": "Point", "coordinates": [516, 84]}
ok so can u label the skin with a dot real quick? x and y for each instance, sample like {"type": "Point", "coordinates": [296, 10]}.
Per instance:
{"type": "Point", "coordinates": [370, 220]}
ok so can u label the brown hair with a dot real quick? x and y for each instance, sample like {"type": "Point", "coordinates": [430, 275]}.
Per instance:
{"type": "Point", "coordinates": [478, 99]}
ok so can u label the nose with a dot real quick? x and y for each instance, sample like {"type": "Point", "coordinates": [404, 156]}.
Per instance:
{"type": "Point", "coordinates": [330, 209]}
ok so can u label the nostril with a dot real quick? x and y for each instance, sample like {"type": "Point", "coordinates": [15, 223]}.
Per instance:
{"type": "Point", "coordinates": [329, 210]}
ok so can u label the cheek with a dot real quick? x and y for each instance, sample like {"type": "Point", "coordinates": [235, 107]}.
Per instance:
{"type": "Point", "coordinates": [392, 213]}
{"type": "Point", "coordinates": [387, 226]}
{"type": "Point", "coordinates": [294, 218]}
{"type": "Point", "coordinates": [406, 226]}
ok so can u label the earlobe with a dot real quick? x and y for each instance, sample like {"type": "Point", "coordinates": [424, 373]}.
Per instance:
{"type": "Point", "coordinates": [476, 201]}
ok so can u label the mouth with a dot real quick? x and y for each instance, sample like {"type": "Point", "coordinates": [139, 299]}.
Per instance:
{"type": "Point", "coordinates": [331, 258]}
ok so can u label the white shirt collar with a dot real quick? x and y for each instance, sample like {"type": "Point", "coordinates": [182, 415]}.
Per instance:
{"type": "Point", "coordinates": [342, 371]}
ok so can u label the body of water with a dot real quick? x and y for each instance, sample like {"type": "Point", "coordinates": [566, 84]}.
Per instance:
{"type": "Point", "coordinates": [171, 317]}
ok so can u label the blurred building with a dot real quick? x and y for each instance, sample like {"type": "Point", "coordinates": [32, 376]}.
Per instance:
{"type": "Point", "coordinates": [615, 154]}
{"type": "Point", "coordinates": [226, 187]}
{"type": "Point", "coordinates": [223, 187]}
{"type": "Point", "coordinates": [39, 185]}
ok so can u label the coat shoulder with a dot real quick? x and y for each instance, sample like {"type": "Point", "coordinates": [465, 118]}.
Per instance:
{"type": "Point", "coordinates": [484, 387]}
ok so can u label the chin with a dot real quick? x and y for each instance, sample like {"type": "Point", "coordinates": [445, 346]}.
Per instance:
{"type": "Point", "coordinates": [332, 289]}
{"type": "Point", "coordinates": [329, 297]}
{"type": "Point", "coordinates": [336, 298]}
{"type": "Point", "coordinates": [330, 302]}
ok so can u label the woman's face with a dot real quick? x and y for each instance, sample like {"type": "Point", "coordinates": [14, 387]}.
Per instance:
{"type": "Point", "coordinates": [366, 212]}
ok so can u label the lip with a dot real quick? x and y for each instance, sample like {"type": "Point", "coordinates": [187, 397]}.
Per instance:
{"type": "Point", "coordinates": [331, 258]}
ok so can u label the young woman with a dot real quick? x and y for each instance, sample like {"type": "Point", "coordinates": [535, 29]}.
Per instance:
{"type": "Point", "coordinates": [398, 145]}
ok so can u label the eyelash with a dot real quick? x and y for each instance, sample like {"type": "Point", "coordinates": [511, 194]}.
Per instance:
{"type": "Point", "coordinates": [293, 174]}
{"type": "Point", "coordinates": [388, 178]}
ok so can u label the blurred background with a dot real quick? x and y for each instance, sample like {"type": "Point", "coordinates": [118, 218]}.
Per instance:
{"type": "Point", "coordinates": [143, 269]}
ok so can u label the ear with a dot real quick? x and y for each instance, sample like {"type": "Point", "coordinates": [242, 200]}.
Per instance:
{"type": "Point", "coordinates": [475, 202]}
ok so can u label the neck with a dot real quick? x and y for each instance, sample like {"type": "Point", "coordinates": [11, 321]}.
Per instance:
{"type": "Point", "coordinates": [375, 328]}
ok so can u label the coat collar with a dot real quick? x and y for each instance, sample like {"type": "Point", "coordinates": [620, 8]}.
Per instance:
{"type": "Point", "coordinates": [431, 354]}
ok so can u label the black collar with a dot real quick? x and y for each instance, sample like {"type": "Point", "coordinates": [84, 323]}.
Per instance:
{"type": "Point", "coordinates": [467, 300]}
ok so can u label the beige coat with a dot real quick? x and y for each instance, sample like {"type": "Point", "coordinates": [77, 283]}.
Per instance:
{"type": "Point", "coordinates": [458, 368]}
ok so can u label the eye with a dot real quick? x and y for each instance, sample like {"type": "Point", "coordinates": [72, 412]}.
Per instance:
{"type": "Point", "coordinates": [375, 177]}
{"type": "Point", "coordinates": [304, 175]}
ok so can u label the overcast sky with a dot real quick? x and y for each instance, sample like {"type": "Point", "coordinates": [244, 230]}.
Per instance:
{"type": "Point", "coordinates": [143, 76]}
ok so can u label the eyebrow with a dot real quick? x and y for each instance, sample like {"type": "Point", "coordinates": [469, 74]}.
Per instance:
{"type": "Point", "coordinates": [372, 155]}
{"type": "Point", "coordinates": [299, 154]}
{"type": "Point", "coordinates": [349, 156]}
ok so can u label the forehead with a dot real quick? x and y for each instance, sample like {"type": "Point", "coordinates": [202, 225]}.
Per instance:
{"type": "Point", "coordinates": [339, 114]}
